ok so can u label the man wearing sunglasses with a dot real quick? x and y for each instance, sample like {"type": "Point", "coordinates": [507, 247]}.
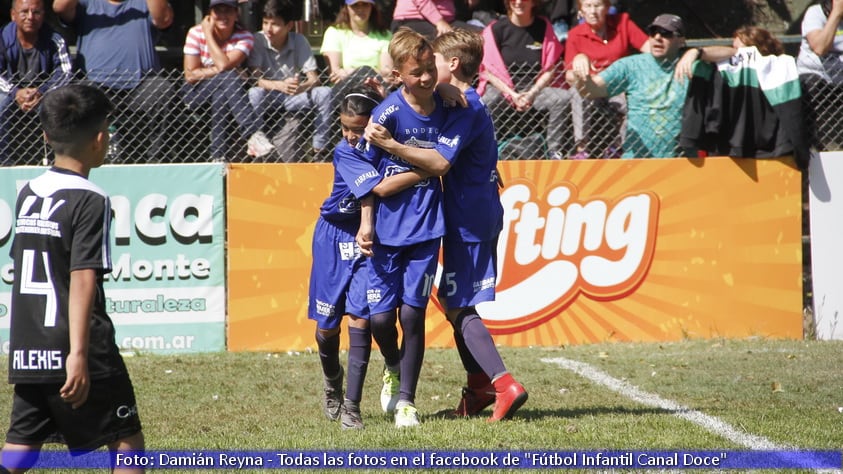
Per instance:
{"type": "Point", "coordinates": [655, 90]}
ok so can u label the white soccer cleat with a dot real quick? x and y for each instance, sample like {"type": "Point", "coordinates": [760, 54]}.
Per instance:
{"type": "Point", "coordinates": [389, 392]}
{"type": "Point", "coordinates": [406, 415]}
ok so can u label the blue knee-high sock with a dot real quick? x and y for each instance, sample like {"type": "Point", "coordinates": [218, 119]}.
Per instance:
{"type": "Point", "coordinates": [385, 334]}
{"type": "Point", "coordinates": [468, 362]}
{"type": "Point", "coordinates": [480, 343]}
{"type": "Point", "coordinates": [360, 347]}
{"type": "Point", "coordinates": [329, 353]}
{"type": "Point", "coordinates": [412, 350]}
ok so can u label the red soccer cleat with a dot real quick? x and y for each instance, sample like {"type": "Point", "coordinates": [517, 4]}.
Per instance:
{"type": "Point", "coordinates": [477, 395]}
{"type": "Point", "coordinates": [510, 395]}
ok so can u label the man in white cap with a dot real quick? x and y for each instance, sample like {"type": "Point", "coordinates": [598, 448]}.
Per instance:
{"type": "Point", "coordinates": [655, 93]}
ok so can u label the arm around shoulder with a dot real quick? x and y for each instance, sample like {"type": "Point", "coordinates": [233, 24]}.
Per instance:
{"type": "Point", "coordinates": [399, 182]}
{"type": "Point", "coordinates": [428, 159]}
{"type": "Point", "coordinates": [716, 53]}
{"type": "Point", "coordinates": [711, 54]}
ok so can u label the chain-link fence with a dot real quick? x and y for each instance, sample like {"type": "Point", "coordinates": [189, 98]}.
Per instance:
{"type": "Point", "coordinates": [164, 120]}
{"type": "Point", "coordinates": [160, 120]}
{"type": "Point", "coordinates": [823, 111]}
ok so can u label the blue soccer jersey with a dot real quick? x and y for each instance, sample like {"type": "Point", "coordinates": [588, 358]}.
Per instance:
{"type": "Point", "coordinates": [354, 177]}
{"type": "Point", "coordinates": [415, 214]}
{"type": "Point", "coordinates": [473, 212]}
{"type": "Point", "coordinates": [339, 274]}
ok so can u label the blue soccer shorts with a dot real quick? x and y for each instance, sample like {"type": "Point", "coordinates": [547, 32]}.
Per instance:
{"type": "Point", "coordinates": [469, 273]}
{"type": "Point", "coordinates": [338, 277]}
{"type": "Point", "coordinates": [402, 275]}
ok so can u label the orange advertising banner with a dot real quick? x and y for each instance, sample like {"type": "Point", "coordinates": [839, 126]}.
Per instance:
{"type": "Point", "coordinates": [591, 251]}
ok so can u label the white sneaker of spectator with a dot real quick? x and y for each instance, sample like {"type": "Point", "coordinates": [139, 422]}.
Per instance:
{"type": "Point", "coordinates": [259, 145]}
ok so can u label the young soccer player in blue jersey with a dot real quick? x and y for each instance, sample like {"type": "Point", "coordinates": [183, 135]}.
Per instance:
{"type": "Point", "coordinates": [466, 154]}
{"type": "Point", "coordinates": [408, 225]}
{"type": "Point", "coordinates": [338, 279]}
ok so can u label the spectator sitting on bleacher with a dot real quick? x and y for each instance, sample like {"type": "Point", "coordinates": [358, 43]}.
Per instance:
{"type": "Point", "coordinates": [820, 66]}
{"type": "Point", "coordinates": [655, 84]}
{"type": "Point", "coordinates": [280, 57]}
{"type": "Point", "coordinates": [355, 46]}
{"type": "Point", "coordinates": [520, 55]}
{"type": "Point", "coordinates": [430, 18]}
{"type": "Point", "coordinates": [213, 52]}
{"type": "Point", "coordinates": [116, 51]}
{"type": "Point", "coordinates": [33, 60]}
{"type": "Point", "coordinates": [592, 46]}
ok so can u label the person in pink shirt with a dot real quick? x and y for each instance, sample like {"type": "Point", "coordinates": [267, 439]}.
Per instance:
{"type": "Point", "coordinates": [214, 53]}
{"type": "Point", "coordinates": [592, 46]}
{"type": "Point", "coordinates": [431, 18]}
{"type": "Point", "coordinates": [520, 68]}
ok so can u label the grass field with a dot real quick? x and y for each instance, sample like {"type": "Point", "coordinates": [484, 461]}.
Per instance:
{"type": "Point", "coordinates": [692, 395]}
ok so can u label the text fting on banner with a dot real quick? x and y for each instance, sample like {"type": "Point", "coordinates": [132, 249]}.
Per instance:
{"type": "Point", "coordinates": [596, 250]}
{"type": "Point", "coordinates": [166, 291]}
{"type": "Point", "coordinates": [430, 459]}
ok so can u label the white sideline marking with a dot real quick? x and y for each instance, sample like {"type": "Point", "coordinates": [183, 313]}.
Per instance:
{"type": "Point", "coordinates": [710, 423]}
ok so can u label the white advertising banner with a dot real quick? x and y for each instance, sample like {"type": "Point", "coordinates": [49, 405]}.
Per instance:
{"type": "Point", "coordinates": [826, 180]}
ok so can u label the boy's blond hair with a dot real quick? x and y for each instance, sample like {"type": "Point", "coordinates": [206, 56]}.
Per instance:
{"type": "Point", "coordinates": [464, 45]}
{"type": "Point", "coordinates": [406, 44]}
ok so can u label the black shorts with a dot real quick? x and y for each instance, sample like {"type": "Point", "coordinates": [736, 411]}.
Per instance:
{"type": "Point", "coordinates": [109, 414]}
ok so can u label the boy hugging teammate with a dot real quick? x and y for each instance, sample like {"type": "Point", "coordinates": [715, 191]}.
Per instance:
{"type": "Point", "coordinates": [408, 225]}
{"type": "Point", "coordinates": [466, 156]}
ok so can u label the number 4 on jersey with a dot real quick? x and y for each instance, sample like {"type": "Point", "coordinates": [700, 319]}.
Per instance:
{"type": "Point", "coordinates": [29, 286]}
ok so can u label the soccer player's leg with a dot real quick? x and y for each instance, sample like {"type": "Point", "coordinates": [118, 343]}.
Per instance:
{"type": "Point", "coordinates": [133, 444]}
{"type": "Point", "coordinates": [30, 426]}
{"type": "Point", "coordinates": [470, 274]}
{"type": "Point", "coordinates": [108, 418]}
{"type": "Point", "coordinates": [360, 345]}
{"type": "Point", "coordinates": [334, 260]}
{"type": "Point", "coordinates": [419, 272]}
{"type": "Point", "coordinates": [18, 458]}
{"type": "Point", "coordinates": [385, 277]}
{"type": "Point", "coordinates": [457, 289]}
{"type": "Point", "coordinates": [360, 348]}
